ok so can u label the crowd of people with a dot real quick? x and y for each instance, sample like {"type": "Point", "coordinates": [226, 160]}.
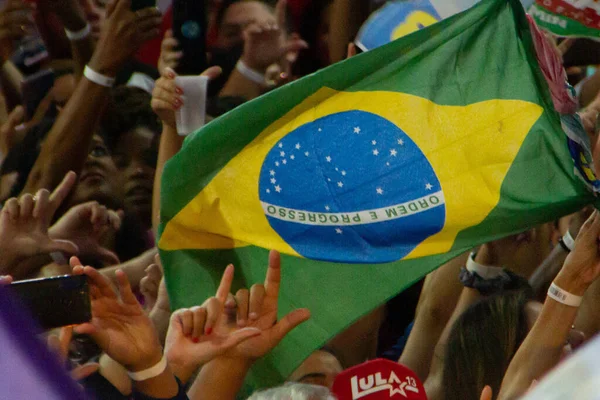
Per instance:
{"type": "Point", "coordinates": [80, 183]}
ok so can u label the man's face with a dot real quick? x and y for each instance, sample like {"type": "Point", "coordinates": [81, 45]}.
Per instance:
{"type": "Point", "coordinates": [237, 17]}
{"type": "Point", "coordinates": [136, 165]}
{"type": "Point", "coordinates": [320, 368]}
{"type": "Point", "coordinates": [98, 179]}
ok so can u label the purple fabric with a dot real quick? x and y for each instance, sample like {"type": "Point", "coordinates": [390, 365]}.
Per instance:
{"type": "Point", "coordinates": [27, 369]}
{"type": "Point", "coordinates": [550, 61]}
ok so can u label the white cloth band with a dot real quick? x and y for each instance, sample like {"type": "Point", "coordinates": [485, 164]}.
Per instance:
{"type": "Point", "coordinates": [151, 372]}
{"type": "Point", "coordinates": [78, 35]}
{"type": "Point", "coordinates": [98, 78]}
{"type": "Point", "coordinates": [485, 271]}
{"type": "Point", "coordinates": [569, 241]}
{"type": "Point", "coordinates": [250, 74]}
{"type": "Point", "coordinates": [564, 297]}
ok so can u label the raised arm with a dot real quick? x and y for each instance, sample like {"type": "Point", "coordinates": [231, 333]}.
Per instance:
{"type": "Point", "coordinates": [166, 99]}
{"type": "Point", "coordinates": [68, 142]}
{"type": "Point", "coordinates": [73, 19]}
{"type": "Point", "coordinates": [436, 304]}
{"type": "Point", "coordinates": [543, 346]}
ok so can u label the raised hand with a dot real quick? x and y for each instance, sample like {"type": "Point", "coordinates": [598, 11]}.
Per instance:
{"type": "Point", "coordinates": [191, 342]}
{"type": "Point", "coordinates": [166, 96]}
{"type": "Point", "coordinates": [15, 21]}
{"type": "Point", "coordinates": [24, 226]}
{"type": "Point", "coordinates": [169, 55]}
{"type": "Point", "coordinates": [59, 344]}
{"type": "Point", "coordinates": [69, 12]}
{"type": "Point", "coordinates": [150, 284]}
{"type": "Point", "coordinates": [582, 265]}
{"type": "Point", "coordinates": [267, 43]}
{"type": "Point", "coordinates": [123, 32]}
{"type": "Point", "coordinates": [258, 308]}
{"type": "Point", "coordinates": [119, 325]}
{"type": "Point", "coordinates": [85, 225]}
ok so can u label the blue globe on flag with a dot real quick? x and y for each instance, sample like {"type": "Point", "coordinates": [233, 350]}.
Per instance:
{"type": "Point", "coordinates": [351, 186]}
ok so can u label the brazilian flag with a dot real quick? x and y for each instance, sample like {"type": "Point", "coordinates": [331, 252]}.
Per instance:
{"type": "Point", "coordinates": [370, 174]}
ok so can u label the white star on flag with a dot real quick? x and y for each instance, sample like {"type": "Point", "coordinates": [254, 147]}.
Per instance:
{"type": "Point", "coordinates": [277, 163]}
{"type": "Point", "coordinates": [337, 169]}
{"type": "Point", "coordinates": [401, 142]}
{"type": "Point", "coordinates": [338, 231]}
{"type": "Point", "coordinates": [272, 172]}
{"type": "Point", "coordinates": [280, 145]}
{"type": "Point", "coordinates": [373, 142]}
{"type": "Point", "coordinates": [379, 191]}
{"type": "Point", "coordinates": [306, 153]}
{"type": "Point", "coordinates": [393, 152]}
{"type": "Point", "coordinates": [320, 129]}
{"type": "Point", "coordinates": [327, 208]}
{"type": "Point", "coordinates": [357, 130]}
{"type": "Point", "coordinates": [284, 161]}
{"type": "Point", "coordinates": [268, 190]}
{"type": "Point", "coordinates": [340, 184]}
{"type": "Point", "coordinates": [375, 152]}
{"type": "Point", "coordinates": [328, 159]}
{"type": "Point", "coordinates": [278, 189]}
{"type": "Point", "coordinates": [429, 186]}
{"type": "Point", "coordinates": [292, 157]}
{"type": "Point", "coordinates": [298, 146]}
{"type": "Point", "coordinates": [273, 180]}
{"type": "Point", "coordinates": [343, 173]}
{"type": "Point", "coordinates": [282, 153]}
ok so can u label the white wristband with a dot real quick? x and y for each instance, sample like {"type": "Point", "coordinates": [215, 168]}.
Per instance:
{"type": "Point", "coordinates": [250, 74]}
{"type": "Point", "coordinates": [78, 35]}
{"type": "Point", "coordinates": [151, 372]}
{"type": "Point", "coordinates": [484, 271]}
{"type": "Point", "coordinates": [564, 297]}
{"type": "Point", "coordinates": [568, 240]}
{"type": "Point", "coordinates": [98, 78]}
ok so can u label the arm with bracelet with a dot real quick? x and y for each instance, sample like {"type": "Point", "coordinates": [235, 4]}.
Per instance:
{"type": "Point", "coordinates": [77, 29]}
{"type": "Point", "coordinates": [67, 144]}
{"type": "Point", "coordinates": [265, 44]}
{"type": "Point", "coordinates": [543, 347]}
{"type": "Point", "coordinates": [482, 276]}
{"type": "Point", "coordinates": [542, 277]}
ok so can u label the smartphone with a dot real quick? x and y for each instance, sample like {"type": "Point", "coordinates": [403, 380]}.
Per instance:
{"type": "Point", "coordinates": [34, 88]}
{"type": "Point", "coordinates": [57, 301]}
{"type": "Point", "coordinates": [189, 28]}
{"type": "Point", "coordinates": [141, 4]}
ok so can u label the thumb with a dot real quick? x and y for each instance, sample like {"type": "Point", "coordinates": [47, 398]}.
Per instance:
{"type": "Point", "coordinates": [212, 73]}
{"type": "Point", "coordinates": [486, 394]}
{"type": "Point", "coordinates": [16, 116]}
{"type": "Point", "coordinates": [295, 45]}
{"type": "Point", "coordinates": [289, 322]}
{"type": "Point", "coordinates": [107, 256]}
{"type": "Point", "coordinates": [240, 336]}
{"type": "Point", "coordinates": [83, 371]}
{"type": "Point", "coordinates": [64, 246]}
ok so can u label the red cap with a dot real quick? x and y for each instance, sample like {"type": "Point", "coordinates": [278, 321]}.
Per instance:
{"type": "Point", "coordinates": [378, 380]}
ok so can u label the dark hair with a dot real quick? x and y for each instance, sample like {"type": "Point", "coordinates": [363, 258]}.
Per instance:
{"type": "Point", "coordinates": [481, 344]}
{"type": "Point", "coordinates": [128, 108]}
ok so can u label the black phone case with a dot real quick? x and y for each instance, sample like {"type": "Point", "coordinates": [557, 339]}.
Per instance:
{"type": "Point", "coordinates": [57, 301]}
{"type": "Point", "coordinates": [189, 28]}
